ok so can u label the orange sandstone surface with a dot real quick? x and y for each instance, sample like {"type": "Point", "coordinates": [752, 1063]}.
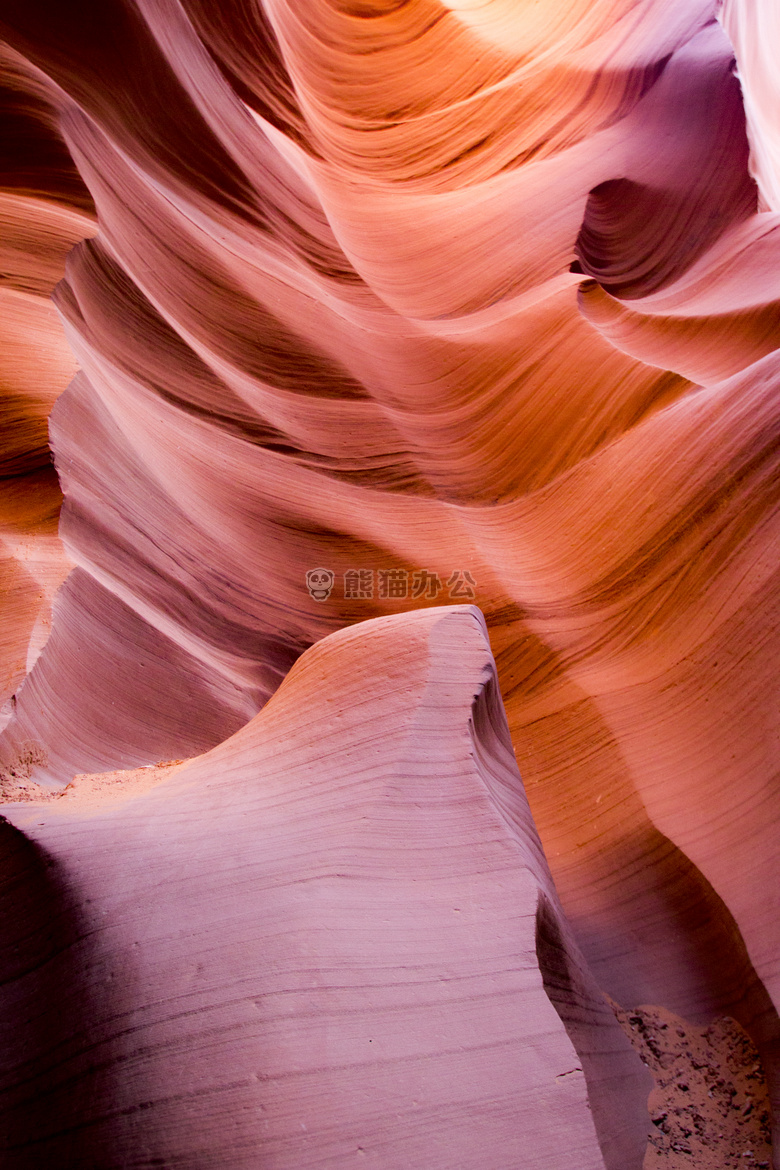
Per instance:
{"type": "Point", "coordinates": [327, 329]}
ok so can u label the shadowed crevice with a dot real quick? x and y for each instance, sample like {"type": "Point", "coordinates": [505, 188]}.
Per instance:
{"type": "Point", "coordinates": [45, 1012]}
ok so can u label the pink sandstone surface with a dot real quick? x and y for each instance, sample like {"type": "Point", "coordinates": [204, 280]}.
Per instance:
{"type": "Point", "coordinates": [333, 938]}
{"type": "Point", "coordinates": [487, 289]}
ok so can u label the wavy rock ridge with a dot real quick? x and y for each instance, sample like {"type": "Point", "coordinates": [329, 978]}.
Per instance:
{"type": "Point", "coordinates": [335, 933]}
{"type": "Point", "coordinates": [456, 289]}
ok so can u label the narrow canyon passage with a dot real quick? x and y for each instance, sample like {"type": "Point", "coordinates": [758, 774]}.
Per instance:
{"type": "Point", "coordinates": [324, 320]}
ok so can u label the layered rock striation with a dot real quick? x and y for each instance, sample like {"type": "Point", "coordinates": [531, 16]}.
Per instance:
{"type": "Point", "coordinates": [452, 303]}
{"type": "Point", "coordinates": [333, 938]}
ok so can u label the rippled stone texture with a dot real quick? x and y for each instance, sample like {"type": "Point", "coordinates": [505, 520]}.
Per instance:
{"type": "Point", "coordinates": [334, 935]}
{"type": "Point", "coordinates": [474, 289]}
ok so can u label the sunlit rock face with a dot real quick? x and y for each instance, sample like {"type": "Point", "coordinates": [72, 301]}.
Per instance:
{"type": "Point", "coordinates": [44, 210]}
{"type": "Point", "coordinates": [479, 295]}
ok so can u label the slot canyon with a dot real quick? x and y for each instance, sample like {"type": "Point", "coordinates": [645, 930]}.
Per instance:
{"type": "Point", "coordinates": [390, 584]}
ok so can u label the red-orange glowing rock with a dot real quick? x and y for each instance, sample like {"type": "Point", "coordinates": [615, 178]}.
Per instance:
{"type": "Point", "coordinates": [479, 300]}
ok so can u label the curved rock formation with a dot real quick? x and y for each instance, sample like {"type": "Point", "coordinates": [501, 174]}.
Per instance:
{"type": "Point", "coordinates": [44, 211]}
{"type": "Point", "coordinates": [332, 937]}
{"type": "Point", "coordinates": [446, 302]}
